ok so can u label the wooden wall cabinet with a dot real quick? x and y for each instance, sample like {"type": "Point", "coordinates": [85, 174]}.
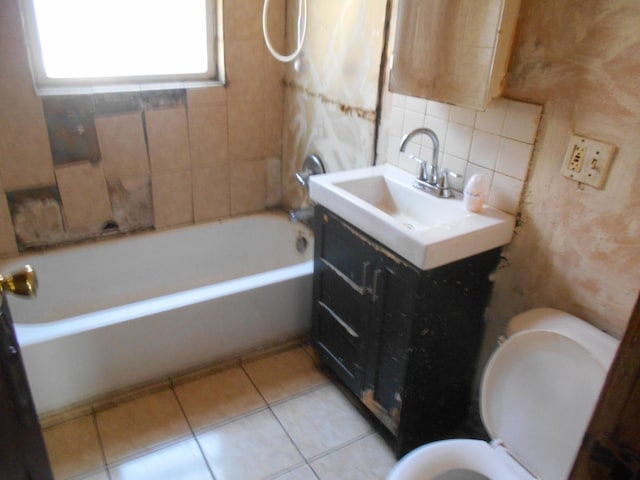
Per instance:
{"type": "Point", "coordinates": [453, 51]}
{"type": "Point", "coordinates": [405, 341]}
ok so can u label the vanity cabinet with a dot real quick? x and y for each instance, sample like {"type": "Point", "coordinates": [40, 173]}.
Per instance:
{"type": "Point", "coordinates": [405, 341]}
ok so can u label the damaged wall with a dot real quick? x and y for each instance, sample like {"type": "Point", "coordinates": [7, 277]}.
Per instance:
{"type": "Point", "coordinates": [330, 107]}
{"type": "Point", "coordinates": [577, 248]}
{"type": "Point", "coordinates": [73, 167]}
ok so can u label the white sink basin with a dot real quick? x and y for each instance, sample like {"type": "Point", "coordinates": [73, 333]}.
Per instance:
{"type": "Point", "coordinates": [426, 230]}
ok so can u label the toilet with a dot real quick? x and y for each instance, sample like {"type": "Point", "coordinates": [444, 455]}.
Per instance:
{"type": "Point", "coordinates": [537, 395]}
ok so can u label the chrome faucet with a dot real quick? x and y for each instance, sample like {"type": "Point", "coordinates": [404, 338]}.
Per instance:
{"type": "Point", "coordinates": [431, 178]}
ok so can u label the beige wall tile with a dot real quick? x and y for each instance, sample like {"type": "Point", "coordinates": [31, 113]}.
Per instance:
{"type": "Point", "coordinates": [211, 192]}
{"type": "Point", "coordinates": [274, 182]}
{"type": "Point", "coordinates": [8, 247]}
{"type": "Point", "coordinates": [246, 71]}
{"type": "Point", "coordinates": [172, 199]}
{"type": "Point", "coordinates": [25, 155]}
{"type": "Point", "coordinates": [122, 145]}
{"type": "Point", "coordinates": [208, 135]}
{"type": "Point", "coordinates": [206, 96]}
{"type": "Point", "coordinates": [168, 138]}
{"type": "Point", "coordinates": [246, 131]}
{"type": "Point", "coordinates": [248, 187]}
{"type": "Point", "coordinates": [85, 199]}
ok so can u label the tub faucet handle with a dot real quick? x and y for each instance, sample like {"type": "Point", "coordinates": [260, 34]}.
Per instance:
{"type": "Point", "coordinates": [21, 282]}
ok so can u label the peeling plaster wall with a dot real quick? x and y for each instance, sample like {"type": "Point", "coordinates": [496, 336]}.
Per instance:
{"type": "Point", "coordinates": [577, 248]}
{"type": "Point", "coordinates": [330, 108]}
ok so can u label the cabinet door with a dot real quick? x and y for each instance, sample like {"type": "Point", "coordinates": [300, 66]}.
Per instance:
{"type": "Point", "coordinates": [393, 295]}
{"type": "Point", "coordinates": [342, 298]}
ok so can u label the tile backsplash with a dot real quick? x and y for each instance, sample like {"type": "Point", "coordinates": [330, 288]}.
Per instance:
{"type": "Point", "coordinates": [497, 142]}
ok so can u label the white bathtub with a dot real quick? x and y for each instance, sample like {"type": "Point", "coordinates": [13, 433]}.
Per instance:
{"type": "Point", "coordinates": [121, 312]}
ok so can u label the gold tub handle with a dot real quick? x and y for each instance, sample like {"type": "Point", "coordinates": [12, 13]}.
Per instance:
{"type": "Point", "coordinates": [21, 282]}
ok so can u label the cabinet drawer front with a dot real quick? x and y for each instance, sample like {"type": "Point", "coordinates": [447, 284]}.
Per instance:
{"type": "Point", "coordinates": [343, 347]}
{"type": "Point", "coordinates": [337, 298]}
{"type": "Point", "coordinates": [347, 251]}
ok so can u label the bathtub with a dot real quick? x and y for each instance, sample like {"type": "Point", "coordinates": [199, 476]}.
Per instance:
{"type": "Point", "coordinates": [121, 312]}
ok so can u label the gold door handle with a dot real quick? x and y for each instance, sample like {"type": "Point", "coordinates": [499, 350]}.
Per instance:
{"type": "Point", "coordinates": [21, 282]}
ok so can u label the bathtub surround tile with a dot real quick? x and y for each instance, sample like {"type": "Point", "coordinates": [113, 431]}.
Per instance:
{"type": "Point", "coordinates": [74, 447]}
{"type": "Point", "coordinates": [364, 459]}
{"type": "Point", "coordinates": [245, 57]}
{"type": "Point", "coordinates": [140, 425]}
{"type": "Point", "coordinates": [248, 189]}
{"type": "Point", "coordinates": [168, 139]}
{"type": "Point", "coordinates": [159, 99]}
{"type": "Point", "coordinates": [8, 245]}
{"type": "Point", "coordinates": [122, 145]}
{"type": "Point", "coordinates": [84, 194]}
{"type": "Point", "coordinates": [274, 182]}
{"type": "Point", "coordinates": [210, 192]}
{"type": "Point", "coordinates": [252, 447]}
{"type": "Point", "coordinates": [131, 203]}
{"type": "Point", "coordinates": [37, 216]}
{"type": "Point", "coordinates": [208, 134]}
{"type": "Point", "coordinates": [182, 460]}
{"type": "Point", "coordinates": [117, 103]}
{"type": "Point", "coordinates": [218, 398]}
{"type": "Point", "coordinates": [72, 131]}
{"type": "Point", "coordinates": [206, 96]}
{"type": "Point", "coordinates": [172, 199]}
{"type": "Point", "coordinates": [285, 374]}
{"type": "Point", "coordinates": [321, 420]}
{"type": "Point", "coordinates": [246, 131]}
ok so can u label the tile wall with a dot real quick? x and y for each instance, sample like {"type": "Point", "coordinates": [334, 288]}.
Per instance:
{"type": "Point", "coordinates": [74, 167]}
{"type": "Point", "coordinates": [497, 143]}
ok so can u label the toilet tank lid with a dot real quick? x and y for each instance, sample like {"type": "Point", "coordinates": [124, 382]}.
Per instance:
{"type": "Point", "coordinates": [538, 392]}
{"type": "Point", "coordinates": [599, 343]}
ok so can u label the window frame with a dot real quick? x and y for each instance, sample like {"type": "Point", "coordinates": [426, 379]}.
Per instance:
{"type": "Point", "coordinates": [45, 85]}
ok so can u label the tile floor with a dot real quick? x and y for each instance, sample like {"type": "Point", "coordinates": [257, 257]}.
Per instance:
{"type": "Point", "coordinates": [278, 417]}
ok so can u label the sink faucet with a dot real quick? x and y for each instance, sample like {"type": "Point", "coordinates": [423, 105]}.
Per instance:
{"type": "Point", "coordinates": [433, 180]}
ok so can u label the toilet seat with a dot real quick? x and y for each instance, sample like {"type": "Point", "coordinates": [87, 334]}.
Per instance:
{"type": "Point", "coordinates": [438, 458]}
{"type": "Point", "coordinates": [538, 391]}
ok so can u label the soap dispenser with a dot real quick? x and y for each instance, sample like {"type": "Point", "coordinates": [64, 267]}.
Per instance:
{"type": "Point", "coordinates": [475, 192]}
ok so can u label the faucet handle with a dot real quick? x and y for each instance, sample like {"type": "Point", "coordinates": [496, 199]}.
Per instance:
{"type": "Point", "coordinates": [425, 168]}
{"type": "Point", "coordinates": [444, 180]}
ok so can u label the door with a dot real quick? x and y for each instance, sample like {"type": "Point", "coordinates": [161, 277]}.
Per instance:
{"type": "Point", "coordinates": [22, 451]}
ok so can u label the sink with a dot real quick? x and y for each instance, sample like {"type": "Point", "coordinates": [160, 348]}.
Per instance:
{"type": "Point", "coordinates": [426, 230]}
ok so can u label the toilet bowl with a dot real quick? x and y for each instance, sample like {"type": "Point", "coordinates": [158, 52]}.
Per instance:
{"type": "Point", "coordinates": [537, 395]}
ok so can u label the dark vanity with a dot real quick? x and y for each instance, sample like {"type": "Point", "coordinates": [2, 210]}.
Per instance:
{"type": "Point", "coordinates": [404, 340]}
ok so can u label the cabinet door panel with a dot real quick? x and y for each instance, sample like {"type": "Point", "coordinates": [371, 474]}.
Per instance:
{"type": "Point", "coordinates": [347, 251]}
{"type": "Point", "coordinates": [394, 307]}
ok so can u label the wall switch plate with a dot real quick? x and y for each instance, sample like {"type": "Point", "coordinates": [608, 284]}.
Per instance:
{"type": "Point", "coordinates": [588, 161]}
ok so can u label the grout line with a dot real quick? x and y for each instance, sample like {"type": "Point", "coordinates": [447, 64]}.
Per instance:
{"type": "Point", "coordinates": [94, 419]}
{"type": "Point", "coordinates": [193, 433]}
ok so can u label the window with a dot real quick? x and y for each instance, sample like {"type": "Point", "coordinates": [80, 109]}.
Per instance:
{"type": "Point", "coordinates": [87, 46]}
